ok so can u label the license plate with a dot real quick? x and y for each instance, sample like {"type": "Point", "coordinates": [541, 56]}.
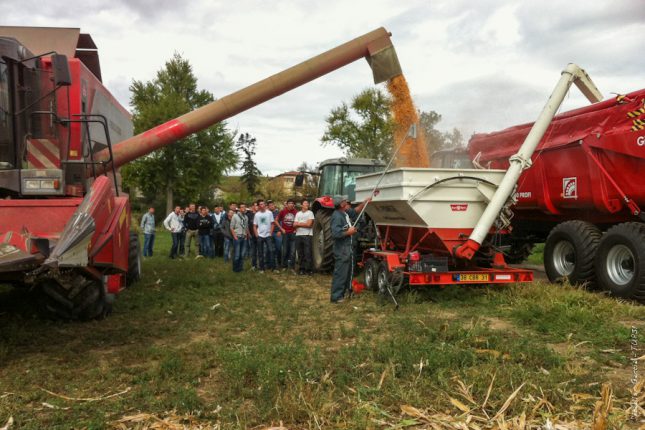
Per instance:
{"type": "Point", "coordinates": [474, 277]}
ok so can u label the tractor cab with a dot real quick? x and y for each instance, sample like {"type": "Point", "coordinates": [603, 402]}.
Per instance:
{"type": "Point", "coordinates": [338, 175]}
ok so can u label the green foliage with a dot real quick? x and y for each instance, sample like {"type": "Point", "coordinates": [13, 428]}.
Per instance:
{"type": "Point", "coordinates": [435, 139]}
{"type": "Point", "coordinates": [250, 172]}
{"type": "Point", "coordinates": [187, 169]}
{"type": "Point", "coordinates": [364, 128]}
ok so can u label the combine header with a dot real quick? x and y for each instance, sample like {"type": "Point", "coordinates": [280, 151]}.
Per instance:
{"type": "Point", "coordinates": [64, 226]}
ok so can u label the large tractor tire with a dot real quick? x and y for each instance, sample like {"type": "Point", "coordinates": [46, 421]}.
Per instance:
{"type": "Point", "coordinates": [134, 260]}
{"type": "Point", "coordinates": [569, 253]}
{"type": "Point", "coordinates": [518, 252]}
{"type": "Point", "coordinates": [620, 261]}
{"type": "Point", "coordinates": [83, 299]}
{"type": "Point", "coordinates": [323, 243]}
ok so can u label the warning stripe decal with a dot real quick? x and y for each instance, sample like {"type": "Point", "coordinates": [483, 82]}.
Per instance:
{"type": "Point", "coordinates": [42, 154]}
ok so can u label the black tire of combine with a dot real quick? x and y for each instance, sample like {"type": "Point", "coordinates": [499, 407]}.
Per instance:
{"type": "Point", "coordinates": [370, 274]}
{"type": "Point", "coordinates": [571, 247]}
{"type": "Point", "coordinates": [134, 260]}
{"type": "Point", "coordinates": [84, 300]}
{"type": "Point", "coordinates": [323, 243]}
{"type": "Point", "coordinates": [620, 261]}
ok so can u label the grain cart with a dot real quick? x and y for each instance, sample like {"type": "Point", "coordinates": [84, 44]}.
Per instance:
{"type": "Point", "coordinates": [441, 226]}
{"type": "Point", "coordinates": [64, 226]}
{"type": "Point", "coordinates": [584, 194]}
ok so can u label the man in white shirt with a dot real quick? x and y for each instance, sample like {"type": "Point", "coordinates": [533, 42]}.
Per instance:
{"type": "Point", "coordinates": [303, 224]}
{"type": "Point", "coordinates": [263, 226]}
{"type": "Point", "coordinates": [174, 226]}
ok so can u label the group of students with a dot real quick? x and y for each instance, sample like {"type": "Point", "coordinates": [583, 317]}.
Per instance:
{"type": "Point", "coordinates": [270, 238]}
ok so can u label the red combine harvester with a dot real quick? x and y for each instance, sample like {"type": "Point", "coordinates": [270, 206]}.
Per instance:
{"type": "Point", "coordinates": [583, 195]}
{"type": "Point", "coordinates": [64, 226]}
{"type": "Point", "coordinates": [440, 226]}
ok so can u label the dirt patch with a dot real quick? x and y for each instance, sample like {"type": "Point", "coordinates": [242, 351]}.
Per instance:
{"type": "Point", "coordinates": [499, 324]}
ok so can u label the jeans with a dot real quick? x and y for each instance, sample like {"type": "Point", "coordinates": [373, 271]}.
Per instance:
{"type": "Point", "coordinates": [277, 242]}
{"type": "Point", "coordinates": [148, 244]}
{"type": "Point", "coordinates": [341, 282]}
{"type": "Point", "coordinates": [289, 245]}
{"type": "Point", "coordinates": [303, 248]}
{"type": "Point", "coordinates": [228, 247]}
{"type": "Point", "coordinates": [218, 243]}
{"type": "Point", "coordinates": [190, 235]}
{"type": "Point", "coordinates": [265, 253]}
{"type": "Point", "coordinates": [252, 250]}
{"type": "Point", "coordinates": [238, 254]}
{"type": "Point", "coordinates": [182, 241]}
{"type": "Point", "coordinates": [175, 245]}
{"type": "Point", "coordinates": [205, 246]}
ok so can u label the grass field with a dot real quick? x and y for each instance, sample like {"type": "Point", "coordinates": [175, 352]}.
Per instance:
{"type": "Point", "coordinates": [194, 343]}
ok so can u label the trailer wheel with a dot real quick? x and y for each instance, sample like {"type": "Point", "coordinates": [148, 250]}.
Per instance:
{"type": "Point", "coordinates": [134, 260]}
{"type": "Point", "coordinates": [83, 299]}
{"type": "Point", "coordinates": [383, 279]}
{"type": "Point", "coordinates": [518, 252]}
{"type": "Point", "coordinates": [323, 244]}
{"type": "Point", "coordinates": [569, 252]}
{"type": "Point", "coordinates": [371, 274]}
{"type": "Point", "coordinates": [620, 261]}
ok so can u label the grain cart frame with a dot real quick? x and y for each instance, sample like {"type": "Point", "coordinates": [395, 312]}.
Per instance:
{"type": "Point", "coordinates": [436, 226]}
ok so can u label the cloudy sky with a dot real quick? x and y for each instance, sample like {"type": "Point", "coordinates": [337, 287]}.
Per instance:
{"type": "Point", "coordinates": [483, 65]}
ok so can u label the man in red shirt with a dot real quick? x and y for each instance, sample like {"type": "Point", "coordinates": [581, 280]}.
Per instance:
{"type": "Point", "coordinates": [285, 220]}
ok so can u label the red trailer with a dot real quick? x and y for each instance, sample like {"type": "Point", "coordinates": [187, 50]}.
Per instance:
{"type": "Point", "coordinates": [583, 195]}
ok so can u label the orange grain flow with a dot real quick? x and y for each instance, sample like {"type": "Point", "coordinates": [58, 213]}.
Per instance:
{"type": "Point", "coordinates": [414, 152]}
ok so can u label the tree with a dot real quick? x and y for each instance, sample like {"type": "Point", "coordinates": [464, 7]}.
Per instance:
{"type": "Point", "coordinates": [364, 128]}
{"type": "Point", "coordinates": [435, 139]}
{"type": "Point", "coordinates": [187, 169]}
{"type": "Point", "coordinates": [250, 172]}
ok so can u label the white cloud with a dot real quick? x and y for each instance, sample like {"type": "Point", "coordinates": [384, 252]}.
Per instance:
{"type": "Point", "coordinates": [483, 65]}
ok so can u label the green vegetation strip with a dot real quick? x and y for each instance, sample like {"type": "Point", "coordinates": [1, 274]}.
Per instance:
{"type": "Point", "coordinates": [245, 350]}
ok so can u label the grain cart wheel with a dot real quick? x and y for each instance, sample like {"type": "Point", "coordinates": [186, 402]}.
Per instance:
{"type": "Point", "coordinates": [518, 252]}
{"type": "Point", "coordinates": [383, 279]}
{"type": "Point", "coordinates": [323, 244]}
{"type": "Point", "coordinates": [134, 260]}
{"type": "Point", "coordinates": [371, 274]}
{"type": "Point", "coordinates": [620, 261]}
{"type": "Point", "coordinates": [80, 298]}
{"type": "Point", "coordinates": [569, 252]}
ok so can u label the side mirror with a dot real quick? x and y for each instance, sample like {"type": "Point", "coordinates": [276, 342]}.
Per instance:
{"type": "Point", "coordinates": [60, 66]}
{"type": "Point", "coordinates": [300, 180]}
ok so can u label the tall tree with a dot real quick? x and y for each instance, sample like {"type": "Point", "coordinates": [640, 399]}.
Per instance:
{"type": "Point", "coordinates": [364, 128]}
{"type": "Point", "coordinates": [187, 169]}
{"type": "Point", "coordinates": [250, 172]}
{"type": "Point", "coordinates": [435, 139]}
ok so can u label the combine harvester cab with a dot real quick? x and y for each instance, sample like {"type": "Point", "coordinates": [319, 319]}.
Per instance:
{"type": "Point", "coordinates": [443, 226]}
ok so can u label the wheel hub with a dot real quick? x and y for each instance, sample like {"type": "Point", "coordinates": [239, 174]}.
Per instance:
{"type": "Point", "coordinates": [564, 258]}
{"type": "Point", "coordinates": [620, 264]}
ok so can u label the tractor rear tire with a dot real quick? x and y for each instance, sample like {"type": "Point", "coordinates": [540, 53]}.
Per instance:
{"type": "Point", "coordinates": [83, 299]}
{"type": "Point", "coordinates": [620, 261]}
{"type": "Point", "coordinates": [134, 260]}
{"type": "Point", "coordinates": [570, 251]}
{"type": "Point", "coordinates": [371, 274]}
{"type": "Point", "coordinates": [323, 243]}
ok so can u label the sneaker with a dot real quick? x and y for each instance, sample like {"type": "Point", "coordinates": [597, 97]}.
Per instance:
{"type": "Point", "coordinates": [276, 271]}
{"type": "Point", "coordinates": [261, 271]}
{"type": "Point", "coordinates": [293, 272]}
{"type": "Point", "coordinates": [198, 257]}
{"type": "Point", "coordinates": [341, 300]}
{"type": "Point", "coordinates": [253, 269]}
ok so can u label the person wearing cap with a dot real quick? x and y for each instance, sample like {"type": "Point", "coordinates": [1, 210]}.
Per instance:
{"type": "Point", "coordinates": [342, 232]}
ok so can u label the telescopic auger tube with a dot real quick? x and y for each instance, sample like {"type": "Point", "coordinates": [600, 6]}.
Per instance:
{"type": "Point", "coordinates": [522, 160]}
{"type": "Point", "coordinates": [375, 46]}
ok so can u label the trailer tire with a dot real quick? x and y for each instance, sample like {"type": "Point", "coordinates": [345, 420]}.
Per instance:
{"type": "Point", "coordinates": [323, 244]}
{"type": "Point", "coordinates": [620, 261]}
{"type": "Point", "coordinates": [134, 260]}
{"type": "Point", "coordinates": [83, 300]}
{"type": "Point", "coordinates": [518, 252]}
{"type": "Point", "coordinates": [570, 251]}
{"type": "Point", "coordinates": [371, 274]}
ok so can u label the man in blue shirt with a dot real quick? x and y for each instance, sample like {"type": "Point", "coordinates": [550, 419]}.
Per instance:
{"type": "Point", "coordinates": [342, 232]}
{"type": "Point", "coordinates": [148, 228]}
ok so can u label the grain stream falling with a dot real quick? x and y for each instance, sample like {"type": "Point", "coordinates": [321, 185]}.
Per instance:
{"type": "Point", "coordinates": [414, 152]}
